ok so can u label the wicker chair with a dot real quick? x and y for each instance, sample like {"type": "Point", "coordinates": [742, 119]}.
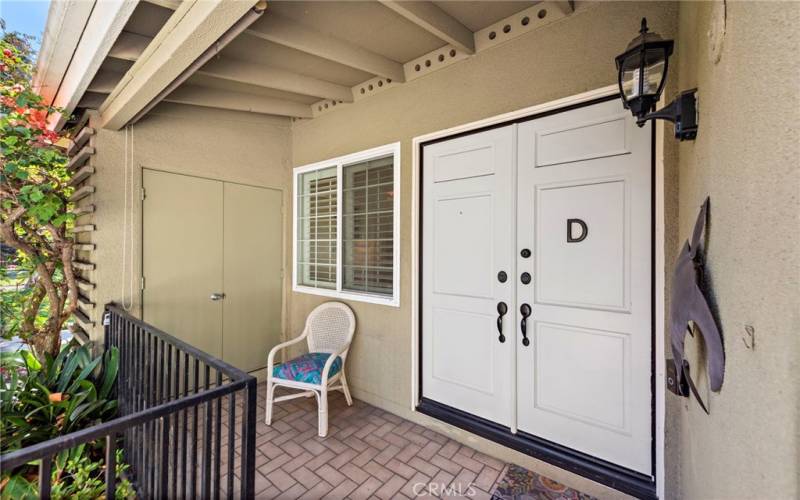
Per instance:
{"type": "Point", "coordinates": [329, 330]}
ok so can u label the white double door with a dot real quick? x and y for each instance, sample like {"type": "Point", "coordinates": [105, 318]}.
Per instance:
{"type": "Point", "coordinates": [550, 221]}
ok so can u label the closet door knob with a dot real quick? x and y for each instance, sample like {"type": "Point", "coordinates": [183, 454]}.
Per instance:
{"type": "Point", "coordinates": [217, 296]}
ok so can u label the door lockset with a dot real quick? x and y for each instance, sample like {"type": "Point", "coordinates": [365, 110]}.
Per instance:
{"type": "Point", "coordinates": [502, 309]}
{"type": "Point", "coordinates": [217, 296]}
{"type": "Point", "coordinates": [525, 278]}
{"type": "Point", "coordinates": [525, 310]}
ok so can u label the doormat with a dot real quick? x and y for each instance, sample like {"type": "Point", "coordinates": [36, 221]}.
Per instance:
{"type": "Point", "coordinates": [521, 484]}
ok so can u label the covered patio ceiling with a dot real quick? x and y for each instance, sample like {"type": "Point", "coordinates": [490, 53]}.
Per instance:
{"type": "Point", "coordinates": [298, 59]}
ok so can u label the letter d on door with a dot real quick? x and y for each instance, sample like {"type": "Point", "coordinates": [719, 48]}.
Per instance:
{"type": "Point", "coordinates": [571, 223]}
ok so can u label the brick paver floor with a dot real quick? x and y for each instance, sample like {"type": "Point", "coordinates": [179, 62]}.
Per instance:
{"type": "Point", "coordinates": [368, 453]}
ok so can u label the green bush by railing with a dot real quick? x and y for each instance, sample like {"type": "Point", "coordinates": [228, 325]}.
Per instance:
{"type": "Point", "coordinates": [42, 401]}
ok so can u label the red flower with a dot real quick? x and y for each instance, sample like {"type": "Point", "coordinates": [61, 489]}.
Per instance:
{"type": "Point", "coordinates": [7, 52]}
{"type": "Point", "coordinates": [38, 118]}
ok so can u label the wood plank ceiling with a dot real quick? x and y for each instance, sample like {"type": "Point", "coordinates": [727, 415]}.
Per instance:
{"type": "Point", "coordinates": [306, 58]}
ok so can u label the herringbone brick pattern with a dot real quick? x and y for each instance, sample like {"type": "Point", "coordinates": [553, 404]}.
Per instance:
{"type": "Point", "coordinates": [368, 453]}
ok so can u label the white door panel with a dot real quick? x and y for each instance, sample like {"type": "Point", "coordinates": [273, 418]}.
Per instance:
{"type": "Point", "coordinates": [589, 139]}
{"type": "Point", "coordinates": [455, 365]}
{"type": "Point", "coordinates": [462, 223]}
{"type": "Point", "coordinates": [467, 239]}
{"type": "Point", "coordinates": [584, 381]}
{"type": "Point", "coordinates": [570, 389]}
{"type": "Point", "coordinates": [561, 266]}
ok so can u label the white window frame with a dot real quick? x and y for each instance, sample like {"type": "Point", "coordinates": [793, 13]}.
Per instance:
{"type": "Point", "coordinates": [392, 149]}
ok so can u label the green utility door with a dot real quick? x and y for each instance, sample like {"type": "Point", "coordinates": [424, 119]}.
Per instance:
{"type": "Point", "coordinates": [252, 267]}
{"type": "Point", "coordinates": [212, 265]}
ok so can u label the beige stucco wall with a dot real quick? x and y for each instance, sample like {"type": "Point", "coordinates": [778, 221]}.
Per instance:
{"type": "Point", "coordinates": [566, 58]}
{"type": "Point", "coordinates": [231, 146]}
{"type": "Point", "coordinates": [747, 159]}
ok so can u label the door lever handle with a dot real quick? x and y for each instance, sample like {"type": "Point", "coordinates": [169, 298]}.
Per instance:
{"type": "Point", "coordinates": [502, 309]}
{"type": "Point", "coordinates": [525, 310]}
{"type": "Point", "coordinates": [217, 296]}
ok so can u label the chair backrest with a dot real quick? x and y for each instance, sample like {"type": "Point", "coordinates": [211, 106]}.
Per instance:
{"type": "Point", "coordinates": [330, 327]}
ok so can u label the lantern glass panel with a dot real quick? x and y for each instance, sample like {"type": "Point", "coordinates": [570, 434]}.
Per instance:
{"type": "Point", "coordinates": [653, 73]}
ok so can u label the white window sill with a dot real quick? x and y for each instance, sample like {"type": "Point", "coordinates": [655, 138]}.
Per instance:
{"type": "Point", "coordinates": [354, 296]}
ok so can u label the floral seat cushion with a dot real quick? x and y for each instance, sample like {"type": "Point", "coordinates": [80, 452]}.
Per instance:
{"type": "Point", "coordinates": [307, 368]}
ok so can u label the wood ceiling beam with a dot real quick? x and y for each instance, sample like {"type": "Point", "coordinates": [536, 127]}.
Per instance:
{"type": "Point", "coordinates": [66, 21]}
{"type": "Point", "coordinates": [104, 25]}
{"type": "Point", "coordinates": [92, 100]}
{"type": "Point", "coordinates": [129, 46]}
{"type": "Point", "coordinates": [189, 33]}
{"type": "Point", "coordinates": [105, 82]}
{"type": "Point", "coordinates": [275, 78]}
{"type": "Point", "coordinates": [277, 29]}
{"type": "Point", "coordinates": [435, 21]}
{"type": "Point", "coordinates": [238, 101]}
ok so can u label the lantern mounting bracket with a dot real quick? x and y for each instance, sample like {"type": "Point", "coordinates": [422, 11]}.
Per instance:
{"type": "Point", "coordinates": [682, 112]}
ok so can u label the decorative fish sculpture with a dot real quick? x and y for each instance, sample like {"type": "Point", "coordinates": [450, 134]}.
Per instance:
{"type": "Point", "coordinates": [689, 304]}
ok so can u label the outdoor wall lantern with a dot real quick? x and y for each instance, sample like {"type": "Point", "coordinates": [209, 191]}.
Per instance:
{"type": "Point", "coordinates": [642, 73]}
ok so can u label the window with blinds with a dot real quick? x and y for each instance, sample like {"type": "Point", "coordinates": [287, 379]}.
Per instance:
{"type": "Point", "coordinates": [346, 227]}
{"type": "Point", "coordinates": [368, 226]}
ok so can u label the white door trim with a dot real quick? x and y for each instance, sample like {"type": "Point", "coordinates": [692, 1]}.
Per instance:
{"type": "Point", "coordinates": [659, 272]}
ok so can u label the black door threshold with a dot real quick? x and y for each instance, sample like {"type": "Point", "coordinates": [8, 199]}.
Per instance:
{"type": "Point", "coordinates": [614, 476]}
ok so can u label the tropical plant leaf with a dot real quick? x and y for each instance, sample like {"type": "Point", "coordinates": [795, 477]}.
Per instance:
{"type": "Point", "coordinates": [69, 368]}
{"type": "Point", "coordinates": [84, 374]}
{"type": "Point", "coordinates": [19, 488]}
{"type": "Point", "coordinates": [110, 372]}
{"type": "Point", "coordinates": [55, 368]}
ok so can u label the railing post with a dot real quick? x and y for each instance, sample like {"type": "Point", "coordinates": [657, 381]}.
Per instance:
{"type": "Point", "coordinates": [163, 488]}
{"type": "Point", "coordinates": [205, 477]}
{"type": "Point", "coordinates": [249, 441]}
{"type": "Point", "coordinates": [111, 465]}
{"type": "Point", "coordinates": [44, 478]}
{"type": "Point", "coordinates": [231, 441]}
{"type": "Point", "coordinates": [218, 441]}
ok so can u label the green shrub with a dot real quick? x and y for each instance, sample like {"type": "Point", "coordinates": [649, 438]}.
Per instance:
{"type": "Point", "coordinates": [75, 475]}
{"type": "Point", "coordinates": [42, 401]}
{"type": "Point", "coordinates": [39, 402]}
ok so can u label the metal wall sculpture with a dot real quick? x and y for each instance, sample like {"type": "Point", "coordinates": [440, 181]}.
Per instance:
{"type": "Point", "coordinates": [689, 304]}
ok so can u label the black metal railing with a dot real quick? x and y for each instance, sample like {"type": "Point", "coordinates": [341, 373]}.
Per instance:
{"type": "Point", "coordinates": [179, 413]}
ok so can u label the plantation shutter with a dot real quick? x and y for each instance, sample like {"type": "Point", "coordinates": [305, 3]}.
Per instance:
{"type": "Point", "coordinates": [368, 226]}
{"type": "Point", "coordinates": [316, 251]}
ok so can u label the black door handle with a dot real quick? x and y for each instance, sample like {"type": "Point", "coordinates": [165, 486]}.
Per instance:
{"type": "Point", "coordinates": [525, 310]}
{"type": "Point", "coordinates": [502, 309]}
